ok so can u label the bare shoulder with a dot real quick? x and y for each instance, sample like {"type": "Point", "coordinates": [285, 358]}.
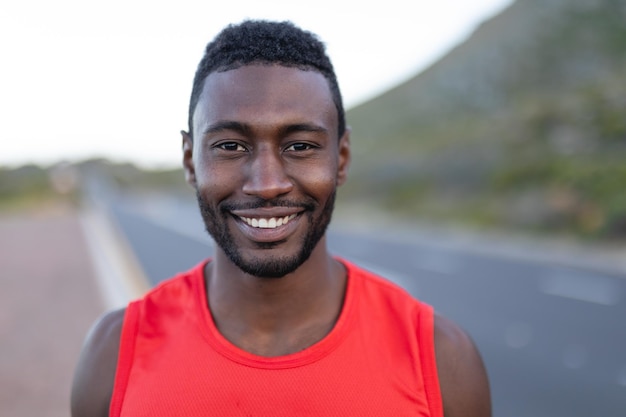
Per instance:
{"type": "Point", "coordinates": [462, 375]}
{"type": "Point", "coordinates": [95, 373]}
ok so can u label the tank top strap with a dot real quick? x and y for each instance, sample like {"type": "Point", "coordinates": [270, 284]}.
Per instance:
{"type": "Point", "coordinates": [126, 354]}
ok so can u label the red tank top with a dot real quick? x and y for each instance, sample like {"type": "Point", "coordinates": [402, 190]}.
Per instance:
{"type": "Point", "coordinates": [378, 360]}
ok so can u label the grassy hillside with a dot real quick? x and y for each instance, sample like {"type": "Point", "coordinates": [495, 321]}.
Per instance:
{"type": "Point", "coordinates": [522, 126]}
{"type": "Point", "coordinates": [31, 187]}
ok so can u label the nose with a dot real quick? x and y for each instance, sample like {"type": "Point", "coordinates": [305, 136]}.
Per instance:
{"type": "Point", "coordinates": [266, 177]}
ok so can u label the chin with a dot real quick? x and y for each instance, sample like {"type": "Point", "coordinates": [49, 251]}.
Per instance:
{"type": "Point", "coordinates": [270, 267]}
{"type": "Point", "coordinates": [271, 259]}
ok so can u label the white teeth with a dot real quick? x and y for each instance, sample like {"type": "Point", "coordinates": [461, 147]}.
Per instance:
{"type": "Point", "coordinates": [270, 223]}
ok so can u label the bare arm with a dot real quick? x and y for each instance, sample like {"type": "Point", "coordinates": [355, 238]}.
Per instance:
{"type": "Point", "coordinates": [462, 375]}
{"type": "Point", "coordinates": [95, 374]}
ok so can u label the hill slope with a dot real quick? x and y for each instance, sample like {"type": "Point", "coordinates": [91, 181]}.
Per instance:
{"type": "Point", "coordinates": [523, 125]}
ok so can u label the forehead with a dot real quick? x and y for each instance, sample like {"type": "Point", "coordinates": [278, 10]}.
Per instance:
{"type": "Point", "coordinates": [266, 94]}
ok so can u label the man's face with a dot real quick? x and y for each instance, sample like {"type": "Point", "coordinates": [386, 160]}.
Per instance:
{"type": "Point", "coordinates": [266, 162]}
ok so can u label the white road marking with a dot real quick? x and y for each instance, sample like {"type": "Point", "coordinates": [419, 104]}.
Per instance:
{"type": "Point", "coordinates": [583, 287]}
{"type": "Point", "coordinates": [118, 273]}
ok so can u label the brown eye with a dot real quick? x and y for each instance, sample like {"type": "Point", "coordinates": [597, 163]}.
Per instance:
{"type": "Point", "coordinates": [231, 146]}
{"type": "Point", "coordinates": [298, 147]}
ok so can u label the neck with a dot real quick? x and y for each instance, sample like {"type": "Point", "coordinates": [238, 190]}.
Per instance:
{"type": "Point", "coordinates": [276, 316]}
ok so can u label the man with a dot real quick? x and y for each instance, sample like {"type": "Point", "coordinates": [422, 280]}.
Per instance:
{"type": "Point", "coordinates": [274, 325]}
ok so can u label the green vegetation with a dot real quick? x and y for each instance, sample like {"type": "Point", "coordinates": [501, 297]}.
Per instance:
{"type": "Point", "coordinates": [31, 187]}
{"type": "Point", "coordinates": [27, 187]}
{"type": "Point", "coordinates": [523, 127]}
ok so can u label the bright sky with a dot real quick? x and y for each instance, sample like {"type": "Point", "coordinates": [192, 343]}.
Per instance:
{"type": "Point", "coordinates": [81, 78]}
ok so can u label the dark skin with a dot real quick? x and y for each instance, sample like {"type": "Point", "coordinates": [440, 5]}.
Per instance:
{"type": "Point", "coordinates": [280, 140]}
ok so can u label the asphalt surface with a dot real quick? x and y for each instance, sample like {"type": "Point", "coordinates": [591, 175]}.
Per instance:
{"type": "Point", "coordinates": [48, 301]}
{"type": "Point", "coordinates": [552, 336]}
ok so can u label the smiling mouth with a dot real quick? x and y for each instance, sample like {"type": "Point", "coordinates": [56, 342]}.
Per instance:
{"type": "Point", "coordinates": [267, 222]}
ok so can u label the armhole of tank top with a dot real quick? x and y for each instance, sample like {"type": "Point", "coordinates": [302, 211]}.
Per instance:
{"type": "Point", "coordinates": [125, 358]}
{"type": "Point", "coordinates": [429, 361]}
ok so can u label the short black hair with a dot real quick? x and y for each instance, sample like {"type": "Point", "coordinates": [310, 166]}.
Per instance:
{"type": "Point", "coordinates": [265, 42]}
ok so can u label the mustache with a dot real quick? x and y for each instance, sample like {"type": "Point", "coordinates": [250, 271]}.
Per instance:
{"type": "Point", "coordinates": [261, 203]}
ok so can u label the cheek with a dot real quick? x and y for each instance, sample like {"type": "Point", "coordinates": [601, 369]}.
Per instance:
{"type": "Point", "coordinates": [214, 180]}
{"type": "Point", "coordinates": [318, 179]}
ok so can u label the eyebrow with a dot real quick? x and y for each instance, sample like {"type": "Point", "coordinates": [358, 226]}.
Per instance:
{"type": "Point", "coordinates": [245, 129]}
{"type": "Point", "coordinates": [227, 125]}
{"type": "Point", "coordinates": [304, 127]}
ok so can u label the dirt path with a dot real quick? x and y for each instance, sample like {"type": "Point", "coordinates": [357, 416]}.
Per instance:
{"type": "Point", "coordinates": [48, 301]}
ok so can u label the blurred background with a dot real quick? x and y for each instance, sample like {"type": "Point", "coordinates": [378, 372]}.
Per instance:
{"type": "Point", "coordinates": [489, 140]}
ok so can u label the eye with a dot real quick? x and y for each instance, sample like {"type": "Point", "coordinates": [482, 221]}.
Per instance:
{"type": "Point", "coordinates": [231, 146]}
{"type": "Point", "coordinates": [298, 147]}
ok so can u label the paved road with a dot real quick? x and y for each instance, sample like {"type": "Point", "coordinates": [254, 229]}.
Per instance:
{"type": "Point", "coordinates": [48, 300]}
{"type": "Point", "coordinates": [553, 337]}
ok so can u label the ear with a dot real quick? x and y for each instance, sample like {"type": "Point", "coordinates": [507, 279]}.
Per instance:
{"type": "Point", "coordinates": [344, 156]}
{"type": "Point", "coordinates": [188, 166]}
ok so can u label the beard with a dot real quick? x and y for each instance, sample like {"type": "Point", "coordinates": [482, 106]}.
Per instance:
{"type": "Point", "coordinates": [270, 266]}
